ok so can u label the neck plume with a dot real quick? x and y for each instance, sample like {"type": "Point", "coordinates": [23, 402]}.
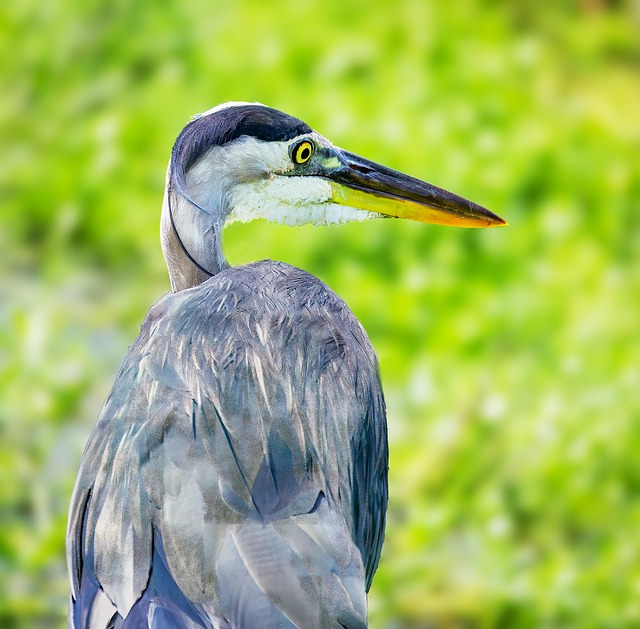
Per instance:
{"type": "Point", "coordinates": [191, 242]}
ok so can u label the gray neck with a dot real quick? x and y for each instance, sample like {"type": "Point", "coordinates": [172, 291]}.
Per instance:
{"type": "Point", "coordinates": [191, 242]}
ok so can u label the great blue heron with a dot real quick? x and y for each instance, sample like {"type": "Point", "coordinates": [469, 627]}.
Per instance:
{"type": "Point", "coordinates": [237, 474]}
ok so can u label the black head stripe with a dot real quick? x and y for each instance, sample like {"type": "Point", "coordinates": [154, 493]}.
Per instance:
{"type": "Point", "coordinates": [226, 125]}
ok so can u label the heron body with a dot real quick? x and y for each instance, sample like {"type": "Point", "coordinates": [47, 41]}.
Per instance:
{"type": "Point", "coordinates": [237, 474]}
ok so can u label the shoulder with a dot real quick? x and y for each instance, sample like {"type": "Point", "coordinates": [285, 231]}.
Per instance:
{"type": "Point", "coordinates": [261, 291]}
{"type": "Point", "coordinates": [263, 309]}
{"type": "Point", "coordinates": [275, 283]}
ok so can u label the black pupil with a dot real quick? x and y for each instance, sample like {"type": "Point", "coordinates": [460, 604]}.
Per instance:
{"type": "Point", "coordinates": [304, 153]}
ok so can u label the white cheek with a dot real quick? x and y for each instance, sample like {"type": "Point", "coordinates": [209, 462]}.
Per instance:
{"type": "Point", "coordinates": [291, 201]}
{"type": "Point", "coordinates": [297, 191]}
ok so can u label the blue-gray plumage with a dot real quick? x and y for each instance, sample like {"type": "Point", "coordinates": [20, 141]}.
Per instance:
{"type": "Point", "coordinates": [237, 474]}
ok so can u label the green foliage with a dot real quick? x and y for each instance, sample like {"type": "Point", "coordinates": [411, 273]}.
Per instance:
{"type": "Point", "coordinates": [511, 357]}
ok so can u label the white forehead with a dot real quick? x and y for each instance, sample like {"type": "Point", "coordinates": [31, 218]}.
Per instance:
{"type": "Point", "coordinates": [227, 105]}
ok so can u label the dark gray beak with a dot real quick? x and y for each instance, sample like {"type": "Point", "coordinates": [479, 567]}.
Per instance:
{"type": "Point", "coordinates": [362, 184]}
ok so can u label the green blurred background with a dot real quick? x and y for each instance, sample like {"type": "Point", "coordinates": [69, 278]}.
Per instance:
{"type": "Point", "coordinates": [511, 357]}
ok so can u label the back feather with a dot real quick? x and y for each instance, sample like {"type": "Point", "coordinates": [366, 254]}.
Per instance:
{"type": "Point", "coordinates": [236, 476]}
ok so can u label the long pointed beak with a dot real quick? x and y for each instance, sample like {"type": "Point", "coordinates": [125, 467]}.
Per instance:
{"type": "Point", "coordinates": [362, 184]}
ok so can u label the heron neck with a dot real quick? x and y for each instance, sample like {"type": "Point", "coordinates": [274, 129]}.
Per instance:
{"type": "Point", "coordinates": [191, 242]}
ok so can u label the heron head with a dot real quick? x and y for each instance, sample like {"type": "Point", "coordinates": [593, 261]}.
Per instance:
{"type": "Point", "coordinates": [241, 161]}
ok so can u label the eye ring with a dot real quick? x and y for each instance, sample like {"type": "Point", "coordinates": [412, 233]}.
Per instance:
{"type": "Point", "coordinates": [302, 152]}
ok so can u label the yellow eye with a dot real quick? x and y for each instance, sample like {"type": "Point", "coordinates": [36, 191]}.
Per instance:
{"type": "Point", "coordinates": [302, 152]}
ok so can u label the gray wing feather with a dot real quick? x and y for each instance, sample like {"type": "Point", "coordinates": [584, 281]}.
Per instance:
{"type": "Point", "coordinates": [247, 427]}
